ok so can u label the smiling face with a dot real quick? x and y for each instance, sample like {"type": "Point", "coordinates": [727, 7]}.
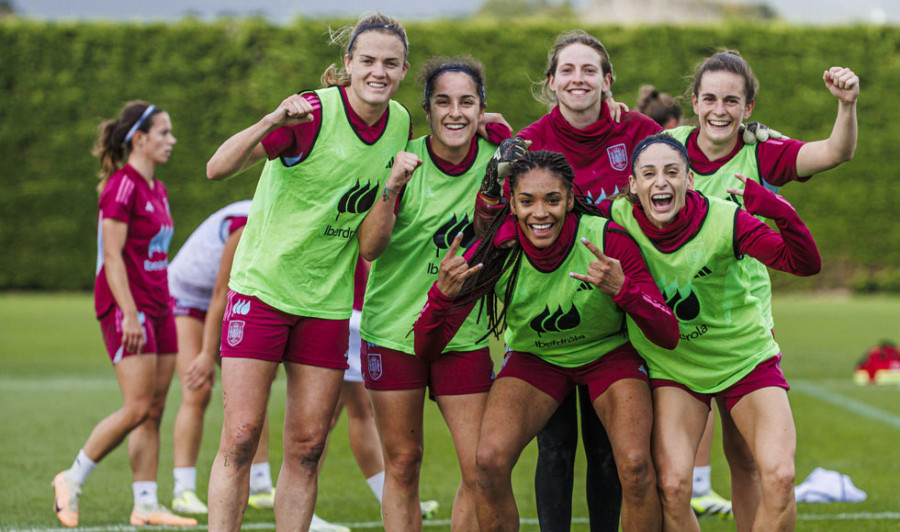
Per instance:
{"type": "Point", "coordinates": [453, 114]}
{"type": "Point", "coordinates": [376, 67]}
{"type": "Point", "coordinates": [156, 144]}
{"type": "Point", "coordinates": [661, 180]}
{"type": "Point", "coordinates": [540, 201]}
{"type": "Point", "coordinates": [721, 105]}
{"type": "Point", "coordinates": [579, 81]}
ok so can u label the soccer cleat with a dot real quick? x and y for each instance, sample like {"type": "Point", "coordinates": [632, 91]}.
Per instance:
{"type": "Point", "coordinates": [65, 501]}
{"type": "Point", "coordinates": [189, 503]}
{"type": "Point", "coordinates": [158, 515]}
{"type": "Point", "coordinates": [262, 500]}
{"type": "Point", "coordinates": [320, 525]}
{"type": "Point", "coordinates": [429, 509]}
{"type": "Point", "coordinates": [711, 504]}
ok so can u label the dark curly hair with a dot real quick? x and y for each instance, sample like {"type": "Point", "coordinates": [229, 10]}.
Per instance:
{"type": "Point", "coordinates": [496, 261]}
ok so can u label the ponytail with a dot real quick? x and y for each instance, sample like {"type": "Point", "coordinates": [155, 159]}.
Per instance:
{"type": "Point", "coordinates": [111, 146]}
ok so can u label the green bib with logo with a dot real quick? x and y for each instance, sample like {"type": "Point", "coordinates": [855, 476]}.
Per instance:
{"type": "Point", "coordinates": [558, 318]}
{"type": "Point", "coordinates": [722, 331]}
{"type": "Point", "coordinates": [299, 248]}
{"type": "Point", "coordinates": [434, 207]}
{"type": "Point", "coordinates": [716, 185]}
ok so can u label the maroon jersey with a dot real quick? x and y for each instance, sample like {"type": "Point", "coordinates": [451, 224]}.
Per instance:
{"type": "Point", "coordinates": [128, 198]}
{"type": "Point", "coordinates": [600, 154]}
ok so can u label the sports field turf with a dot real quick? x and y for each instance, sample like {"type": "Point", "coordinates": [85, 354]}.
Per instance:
{"type": "Point", "coordinates": [56, 383]}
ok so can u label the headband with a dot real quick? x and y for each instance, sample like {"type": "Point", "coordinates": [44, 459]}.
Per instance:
{"type": "Point", "coordinates": [451, 68]}
{"type": "Point", "coordinates": [147, 112]}
{"type": "Point", "coordinates": [664, 138]}
{"type": "Point", "coordinates": [374, 26]}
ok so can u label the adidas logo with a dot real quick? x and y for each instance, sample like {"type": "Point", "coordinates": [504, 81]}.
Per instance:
{"type": "Point", "coordinates": [584, 286]}
{"type": "Point", "coordinates": [704, 271]}
{"type": "Point", "coordinates": [390, 163]}
{"type": "Point", "coordinates": [149, 207]}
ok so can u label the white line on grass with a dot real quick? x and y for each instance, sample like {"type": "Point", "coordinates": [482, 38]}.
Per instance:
{"type": "Point", "coordinates": [862, 516]}
{"type": "Point", "coordinates": [845, 402]}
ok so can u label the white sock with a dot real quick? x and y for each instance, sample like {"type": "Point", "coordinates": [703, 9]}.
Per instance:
{"type": "Point", "coordinates": [376, 483]}
{"type": "Point", "coordinates": [185, 479]}
{"type": "Point", "coordinates": [145, 493]}
{"type": "Point", "coordinates": [260, 478]}
{"type": "Point", "coordinates": [702, 484]}
{"type": "Point", "coordinates": [81, 468]}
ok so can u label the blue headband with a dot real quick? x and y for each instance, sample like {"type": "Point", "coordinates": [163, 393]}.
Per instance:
{"type": "Point", "coordinates": [665, 138]}
{"type": "Point", "coordinates": [453, 69]}
{"type": "Point", "coordinates": [372, 27]}
{"type": "Point", "coordinates": [137, 125]}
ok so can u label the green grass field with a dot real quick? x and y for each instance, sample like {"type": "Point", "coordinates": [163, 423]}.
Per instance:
{"type": "Point", "coordinates": [56, 383]}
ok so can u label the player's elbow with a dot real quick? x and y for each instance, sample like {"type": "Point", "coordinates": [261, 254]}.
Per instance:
{"type": "Point", "coordinates": [213, 172]}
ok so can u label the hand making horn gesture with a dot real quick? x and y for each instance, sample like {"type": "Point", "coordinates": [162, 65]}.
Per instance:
{"type": "Point", "coordinates": [454, 270]}
{"type": "Point", "coordinates": [605, 273]}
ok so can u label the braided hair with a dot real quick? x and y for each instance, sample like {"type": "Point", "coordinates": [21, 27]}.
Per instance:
{"type": "Point", "coordinates": [496, 261]}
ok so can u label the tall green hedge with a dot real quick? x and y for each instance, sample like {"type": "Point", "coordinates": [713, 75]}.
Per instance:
{"type": "Point", "coordinates": [59, 80]}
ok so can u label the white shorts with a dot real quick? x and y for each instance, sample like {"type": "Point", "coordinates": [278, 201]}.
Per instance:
{"type": "Point", "coordinates": [354, 374]}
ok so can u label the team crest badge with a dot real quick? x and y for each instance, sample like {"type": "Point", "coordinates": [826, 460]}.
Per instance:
{"type": "Point", "coordinates": [235, 332]}
{"type": "Point", "coordinates": [695, 253]}
{"type": "Point", "coordinates": [375, 368]}
{"type": "Point", "coordinates": [618, 156]}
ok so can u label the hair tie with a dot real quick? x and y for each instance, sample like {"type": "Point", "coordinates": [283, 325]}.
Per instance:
{"type": "Point", "coordinates": [150, 108]}
{"type": "Point", "coordinates": [374, 26]}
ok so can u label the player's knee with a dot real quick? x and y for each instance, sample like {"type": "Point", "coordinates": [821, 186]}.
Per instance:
{"type": "Point", "coordinates": [240, 444]}
{"type": "Point", "coordinates": [491, 462]}
{"type": "Point", "coordinates": [306, 452]}
{"type": "Point", "coordinates": [778, 479]}
{"type": "Point", "coordinates": [636, 473]}
{"type": "Point", "coordinates": [404, 464]}
{"type": "Point", "coordinates": [674, 488]}
{"type": "Point", "coordinates": [136, 412]}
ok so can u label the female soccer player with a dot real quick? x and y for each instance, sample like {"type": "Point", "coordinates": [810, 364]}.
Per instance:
{"type": "Point", "coordinates": [329, 155]}
{"type": "Point", "coordinates": [562, 329]}
{"type": "Point", "coordinates": [666, 111]}
{"type": "Point", "coordinates": [198, 283]}
{"type": "Point", "coordinates": [693, 246]}
{"type": "Point", "coordinates": [422, 208]}
{"type": "Point", "coordinates": [579, 125]}
{"type": "Point", "coordinates": [131, 298]}
{"type": "Point", "coordinates": [723, 94]}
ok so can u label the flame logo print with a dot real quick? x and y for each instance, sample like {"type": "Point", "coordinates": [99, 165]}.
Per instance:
{"type": "Point", "coordinates": [358, 199]}
{"type": "Point", "coordinates": [445, 234]}
{"type": "Point", "coordinates": [685, 308]}
{"type": "Point", "coordinates": [557, 322]}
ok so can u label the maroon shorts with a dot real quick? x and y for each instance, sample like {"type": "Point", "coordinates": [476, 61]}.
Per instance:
{"type": "Point", "coordinates": [451, 373]}
{"type": "Point", "coordinates": [160, 335]}
{"type": "Point", "coordinates": [765, 375]}
{"type": "Point", "coordinates": [558, 382]}
{"type": "Point", "coordinates": [181, 309]}
{"type": "Point", "coordinates": [253, 329]}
